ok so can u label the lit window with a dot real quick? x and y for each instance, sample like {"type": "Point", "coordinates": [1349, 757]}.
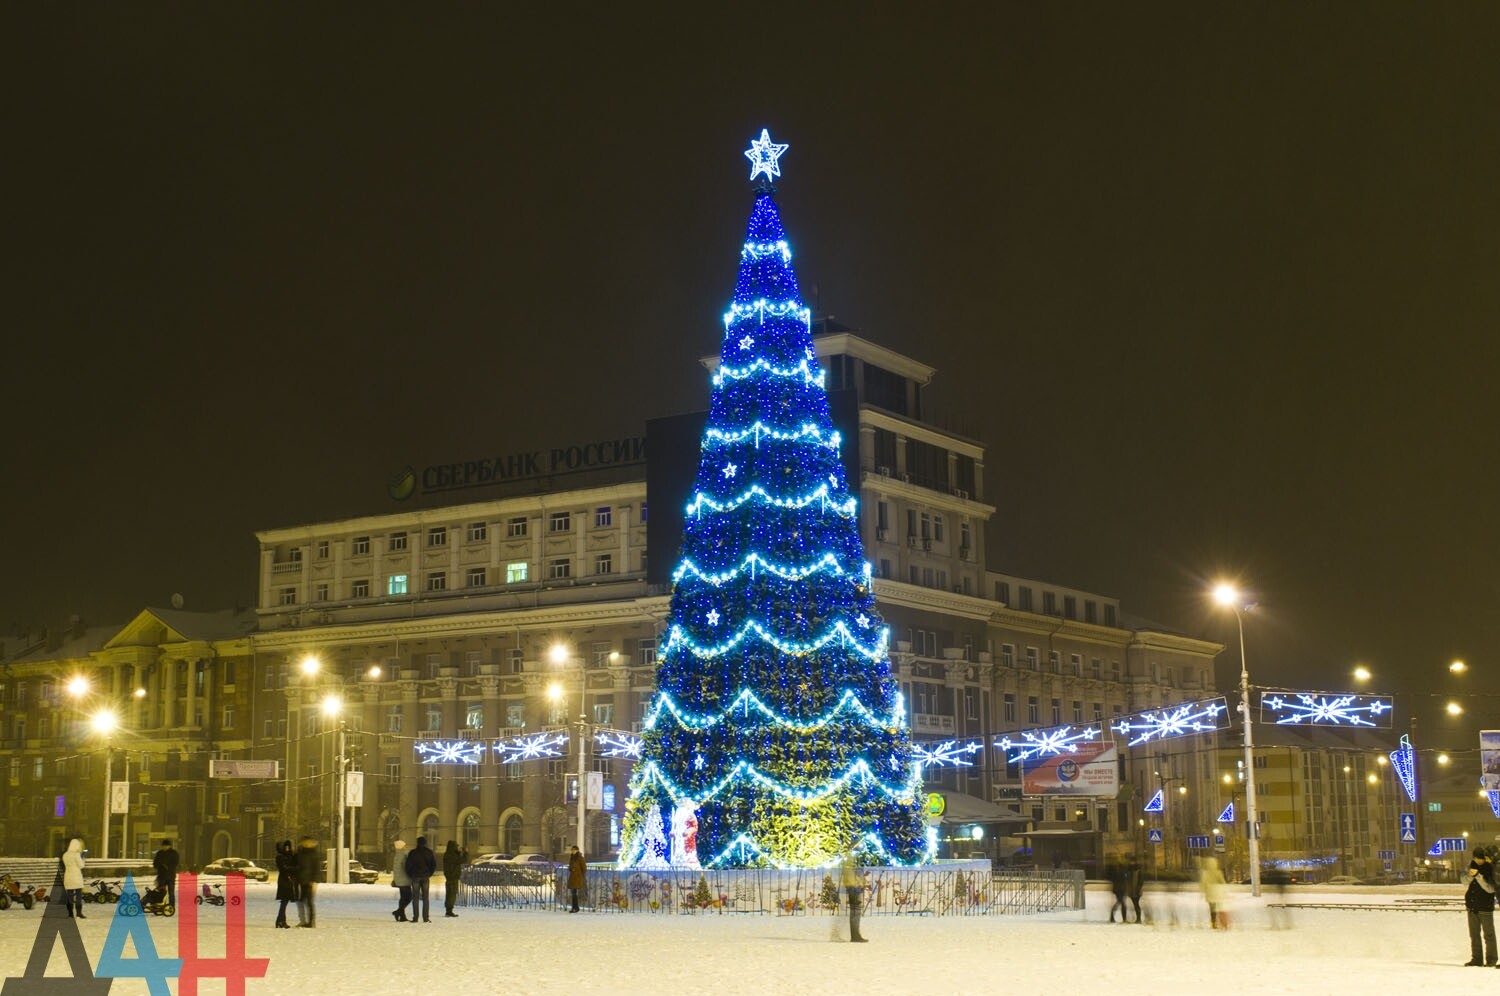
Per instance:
{"type": "Point", "coordinates": [516, 572]}
{"type": "Point", "coordinates": [395, 584]}
{"type": "Point", "coordinates": [602, 517]}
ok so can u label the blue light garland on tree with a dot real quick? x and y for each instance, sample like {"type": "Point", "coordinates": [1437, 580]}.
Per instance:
{"type": "Point", "coordinates": [776, 714]}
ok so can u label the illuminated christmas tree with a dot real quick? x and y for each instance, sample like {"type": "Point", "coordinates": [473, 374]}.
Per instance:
{"type": "Point", "coordinates": [776, 714]}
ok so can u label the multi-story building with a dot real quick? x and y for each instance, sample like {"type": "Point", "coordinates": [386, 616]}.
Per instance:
{"type": "Point", "coordinates": [461, 622]}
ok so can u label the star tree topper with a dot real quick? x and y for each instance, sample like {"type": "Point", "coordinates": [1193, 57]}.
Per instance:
{"type": "Point", "coordinates": [763, 154]}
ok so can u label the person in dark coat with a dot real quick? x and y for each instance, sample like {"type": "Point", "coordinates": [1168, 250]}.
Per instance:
{"type": "Point", "coordinates": [165, 861]}
{"type": "Point", "coordinates": [1119, 884]}
{"type": "Point", "coordinates": [454, 860]}
{"type": "Point", "coordinates": [578, 871]}
{"type": "Point", "coordinates": [309, 873]}
{"type": "Point", "coordinates": [1135, 884]}
{"type": "Point", "coordinates": [286, 879]}
{"type": "Point", "coordinates": [421, 865]}
{"type": "Point", "coordinates": [1479, 900]}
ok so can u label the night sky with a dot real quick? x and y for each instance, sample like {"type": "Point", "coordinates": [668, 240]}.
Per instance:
{"type": "Point", "coordinates": [1216, 285]}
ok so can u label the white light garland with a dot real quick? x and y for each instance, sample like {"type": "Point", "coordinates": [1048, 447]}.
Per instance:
{"type": "Point", "coordinates": [840, 632]}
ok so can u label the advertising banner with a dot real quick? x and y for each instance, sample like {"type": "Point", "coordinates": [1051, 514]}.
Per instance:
{"type": "Point", "coordinates": [1088, 769]}
{"type": "Point", "coordinates": [1489, 759]}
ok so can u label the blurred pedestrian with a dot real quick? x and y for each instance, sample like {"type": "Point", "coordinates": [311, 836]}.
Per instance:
{"type": "Point", "coordinates": [401, 881]}
{"type": "Point", "coordinates": [72, 862]}
{"type": "Point", "coordinates": [1119, 885]}
{"type": "Point", "coordinates": [853, 883]}
{"type": "Point", "coordinates": [1211, 881]}
{"type": "Point", "coordinates": [421, 865]}
{"type": "Point", "coordinates": [1135, 885]}
{"type": "Point", "coordinates": [309, 873]}
{"type": "Point", "coordinates": [286, 880]}
{"type": "Point", "coordinates": [454, 860]}
{"type": "Point", "coordinates": [1479, 900]}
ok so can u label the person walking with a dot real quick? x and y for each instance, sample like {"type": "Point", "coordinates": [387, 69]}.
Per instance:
{"type": "Point", "coordinates": [853, 884]}
{"type": "Point", "coordinates": [401, 881]}
{"type": "Point", "coordinates": [286, 880]}
{"type": "Point", "coordinates": [1119, 885]}
{"type": "Point", "coordinates": [309, 873]}
{"type": "Point", "coordinates": [454, 860]}
{"type": "Point", "coordinates": [1479, 901]}
{"type": "Point", "coordinates": [578, 873]}
{"type": "Point", "coordinates": [1211, 881]}
{"type": "Point", "coordinates": [1135, 885]}
{"type": "Point", "coordinates": [165, 861]}
{"type": "Point", "coordinates": [72, 863]}
{"type": "Point", "coordinates": [421, 865]}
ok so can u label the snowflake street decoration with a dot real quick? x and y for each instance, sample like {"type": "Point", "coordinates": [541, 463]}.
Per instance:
{"type": "Point", "coordinates": [1323, 709]}
{"type": "Point", "coordinates": [1227, 816]}
{"type": "Point", "coordinates": [1494, 797]}
{"type": "Point", "coordinates": [1028, 744]}
{"type": "Point", "coordinates": [1182, 720]}
{"type": "Point", "coordinates": [948, 752]}
{"type": "Point", "coordinates": [1404, 764]}
{"type": "Point", "coordinates": [618, 743]}
{"type": "Point", "coordinates": [763, 155]}
{"type": "Point", "coordinates": [450, 752]}
{"type": "Point", "coordinates": [531, 746]}
{"type": "Point", "coordinates": [1157, 804]}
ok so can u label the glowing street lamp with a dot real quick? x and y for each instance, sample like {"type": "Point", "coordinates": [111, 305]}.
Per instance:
{"type": "Point", "coordinates": [105, 722]}
{"type": "Point", "coordinates": [1454, 709]}
{"type": "Point", "coordinates": [1458, 667]}
{"type": "Point", "coordinates": [1361, 673]}
{"type": "Point", "coordinates": [1230, 598]}
{"type": "Point", "coordinates": [558, 654]}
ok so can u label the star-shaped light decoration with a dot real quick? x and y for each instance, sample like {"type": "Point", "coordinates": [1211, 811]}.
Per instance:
{"type": "Point", "coordinates": [863, 620]}
{"type": "Point", "coordinates": [763, 154]}
{"type": "Point", "coordinates": [698, 762]}
{"type": "Point", "coordinates": [746, 342]}
{"type": "Point", "coordinates": [713, 617]}
{"type": "Point", "coordinates": [833, 481]}
{"type": "Point", "coordinates": [730, 470]}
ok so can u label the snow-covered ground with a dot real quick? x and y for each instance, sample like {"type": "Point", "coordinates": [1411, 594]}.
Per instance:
{"type": "Point", "coordinates": [358, 948]}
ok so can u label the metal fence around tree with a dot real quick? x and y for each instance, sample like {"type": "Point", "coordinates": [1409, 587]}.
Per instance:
{"type": "Point", "coordinates": [957, 888]}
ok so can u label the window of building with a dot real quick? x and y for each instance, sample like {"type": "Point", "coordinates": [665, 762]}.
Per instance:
{"type": "Point", "coordinates": [430, 774]}
{"type": "Point", "coordinates": [433, 662]}
{"type": "Point", "coordinates": [1075, 665]}
{"type": "Point", "coordinates": [1002, 592]}
{"type": "Point", "coordinates": [1056, 711]}
{"type": "Point", "coordinates": [602, 517]}
{"type": "Point", "coordinates": [1031, 658]}
{"type": "Point", "coordinates": [434, 718]}
{"type": "Point", "coordinates": [477, 532]}
{"type": "Point", "coordinates": [227, 721]}
{"type": "Point", "coordinates": [472, 660]}
{"type": "Point", "coordinates": [1033, 709]}
{"type": "Point", "coordinates": [1054, 662]}
{"type": "Point", "coordinates": [942, 579]}
{"type": "Point", "coordinates": [437, 536]}
{"type": "Point", "coordinates": [1096, 668]}
{"type": "Point", "coordinates": [643, 513]}
{"type": "Point", "coordinates": [392, 770]}
{"type": "Point", "coordinates": [971, 704]}
{"type": "Point", "coordinates": [320, 591]}
{"type": "Point", "coordinates": [916, 574]}
{"type": "Point", "coordinates": [289, 596]}
{"type": "Point", "coordinates": [393, 719]}
{"type": "Point", "coordinates": [648, 650]}
{"type": "Point", "coordinates": [1070, 607]}
{"type": "Point", "coordinates": [280, 732]}
{"type": "Point", "coordinates": [294, 555]}
{"type": "Point", "coordinates": [559, 569]}
{"type": "Point", "coordinates": [937, 528]}
{"type": "Point", "coordinates": [1010, 707]}
{"type": "Point", "coordinates": [516, 527]}
{"type": "Point", "coordinates": [1109, 615]}
{"type": "Point", "coordinates": [1007, 655]}
{"type": "Point", "coordinates": [395, 584]}
{"type": "Point", "coordinates": [1049, 603]}
{"type": "Point", "coordinates": [604, 713]}
{"type": "Point", "coordinates": [882, 516]}
{"type": "Point", "coordinates": [604, 564]}
{"type": "Point", "coordinates": [1023, 599]}
{"type": "Point", "coordinates": [1098, 711]}
{"type": "Point", "coordinates": [1077, 711]}
{"type": "Point", "coordinates": [268, 729]}
{"type": "Point", "coordinates": [515, 573]}
{"type": "Point", "coordinates": [516, 663]}
{"type": "Point", "coordinates": [885, 568]}
{"type": "Point", "coordinates": [1090, 612]}
{"type": "Point", "coordinates": [361, 546]}
{"type": "Point", "coordinates": [359, 589]}
{"type": "Point", "coordinates": [965, 539]}
{"type": "Point", "coordinates": [560, 522]}
{"type": "Point", "coordinates": [396, 541]}
{"type": "Point", "coordinates": [474, 716]}
{"type": "Point", "coordinates": [322, 549]}
{"type": "Point", "coordinates": [927, 577]}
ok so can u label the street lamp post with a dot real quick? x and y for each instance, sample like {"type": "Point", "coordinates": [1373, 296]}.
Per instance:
{"type": "Point", "coordinates": [1227, 595]}
{"type": "Point", "coordinates": [105, 722]}
{"type": "Point", "coordinates": [559, 655]}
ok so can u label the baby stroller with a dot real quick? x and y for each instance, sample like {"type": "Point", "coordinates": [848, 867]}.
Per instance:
{"type": "Point", "coordinates": [155, 902]}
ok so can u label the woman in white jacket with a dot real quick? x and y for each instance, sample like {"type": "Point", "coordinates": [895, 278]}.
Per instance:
{"type": "Point", "coordinates": [72, 861]}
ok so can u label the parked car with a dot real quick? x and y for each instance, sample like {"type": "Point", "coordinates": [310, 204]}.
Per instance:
{"type": "Point", "coordinates": [1345, 880]}
{"type": "Point", "coordinates": [237, 866]}
{"type": "Point", "coordinates": [531, 859]}
{"type": "Point", "coordinates": [360, 874]}
{"type": "Point", "coordinates": [493, 858]}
